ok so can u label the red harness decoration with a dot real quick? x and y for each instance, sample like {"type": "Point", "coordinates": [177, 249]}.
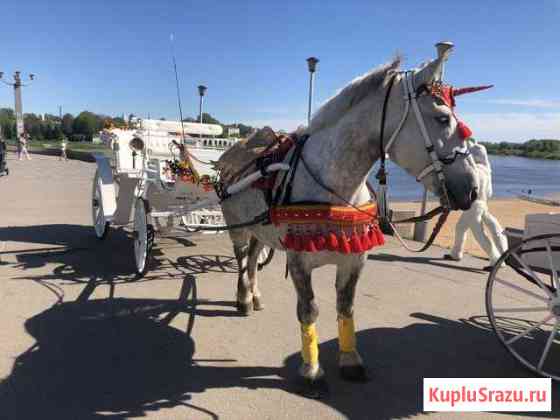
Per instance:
{"type": "Point", "coordinates": [324, 227]}
{"type": "Point", "coordinates": [275, 155]}
{"type": "Point", "coordinates": [447, 94]}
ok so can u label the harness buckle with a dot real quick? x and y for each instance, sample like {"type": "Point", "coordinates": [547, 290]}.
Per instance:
{"type": "Point", "coordinates": [381, 175]}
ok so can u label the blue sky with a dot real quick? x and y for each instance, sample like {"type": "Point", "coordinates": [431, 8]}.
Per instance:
{"type": "Point", "coordinates": [114, 57]}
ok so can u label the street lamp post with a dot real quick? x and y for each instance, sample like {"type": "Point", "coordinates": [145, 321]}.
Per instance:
{"type": "Point", "coordinates": [201, 91]}
{"type": "Point", "coordinates": [311, 66]}
{"type": "Point", "coordinates": [18, 108]}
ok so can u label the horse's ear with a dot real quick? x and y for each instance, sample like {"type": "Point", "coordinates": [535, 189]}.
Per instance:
{"type": "Point", "coordinates": [429, 73]}
{"type": "Point", "coordinates": [433, 71]}
{"type": "Point", "coordinates": [392, 68]}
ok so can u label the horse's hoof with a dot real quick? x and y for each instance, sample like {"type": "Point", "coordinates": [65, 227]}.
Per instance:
{"type": "Point", "coordinates": [313, 388]}
{"type": "Point", "coordinates": [257, 304]}
{"type": "Point", "coordinates": [245, 308]}
{"type": "Point", "coordinates": [355, 373]}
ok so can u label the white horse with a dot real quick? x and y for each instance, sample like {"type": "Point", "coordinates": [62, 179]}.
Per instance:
{"type": "Point", "coordinates": [342, 147]}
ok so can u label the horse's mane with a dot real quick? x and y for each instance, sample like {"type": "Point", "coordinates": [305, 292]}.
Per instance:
{"type": "Point", "coordinates": [335, 107]}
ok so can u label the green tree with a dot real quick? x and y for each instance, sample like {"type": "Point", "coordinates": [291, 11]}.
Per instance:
{"type": "Point", "coordinates": [8, 123]}
{"type": "Point", "coordinates": [68, 125]}
{"type": "Point", "coordinates": [119, 122]}
{"type": "Point", "coordinates": [33, 125]}
{"type": "Point", "coordinates": [207, 119]}
{"type": "Point", "coordinates": [86, 124]}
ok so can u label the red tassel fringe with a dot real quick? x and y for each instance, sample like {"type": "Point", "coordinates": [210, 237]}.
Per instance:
{"type": "Point", "coordinates": [332, 242]}
{"type": "Point", "coordinates": [344, 244]}
{"type": "Point", "coordinates": [320, 242]}
{"type": "Point", "coordinates": [335, 242]}
{"type": "Point", "coordinates": [356, 244]}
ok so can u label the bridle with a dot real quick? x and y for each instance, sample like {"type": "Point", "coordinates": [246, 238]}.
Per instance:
{"type": "Point", "coordinates": [411, 95]}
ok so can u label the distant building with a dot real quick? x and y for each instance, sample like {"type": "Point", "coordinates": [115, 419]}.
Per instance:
{"type": "Point", "coordinates": [232, 131]}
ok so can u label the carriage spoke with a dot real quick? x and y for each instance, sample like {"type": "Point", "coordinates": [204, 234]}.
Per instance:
{"type": "Point", "coordinates": [533, 275]}
{"type": "Point", "coordinates": [548, 344]}
{"type": "Point", "coordinates": [553, 271]}
{"type": "Point", "coordinates": [521, 290]}
{"type": "Point", "coordinates": [511, 310]}
{"type": "Point", "coordinates": [528, 330]}
{"type": "Point", "coordinates": [99, 217]}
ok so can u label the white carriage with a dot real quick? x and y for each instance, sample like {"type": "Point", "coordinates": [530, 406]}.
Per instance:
{"type": "Point", "coordinates": [135, 185]}
{"type": "Point", "coordinates": [523, 295]}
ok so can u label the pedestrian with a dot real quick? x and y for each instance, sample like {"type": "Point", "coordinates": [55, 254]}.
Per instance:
{"type": "Point", "coordinates": [478, 217]}
{"type": "Point", "coordinates": [22, 146]}
{"type": "Point", "coordinates": [63, 150]}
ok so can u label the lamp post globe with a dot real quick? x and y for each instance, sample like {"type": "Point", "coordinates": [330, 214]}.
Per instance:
{"type": "Point", "coordinates": [201, 91]}
{"type": "Point", "coordinates": [312, 67]}
{"type": "Point", "coordinates": [312, 64]}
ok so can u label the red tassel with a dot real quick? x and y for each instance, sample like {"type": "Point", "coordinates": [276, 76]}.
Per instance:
{"type": "Point", "coordinates": [298, 243]}
{"type": "Point", "coordinates": [464, 131]}
{"type": "Point", "coordinates": [344, 244]}
{"type": "Point", "coordinates": [356, 244]}
{"type": "Point", "coordinates": [289, 240]}
{"type": "Point", "coordinates": [373, 237]}
{"type": "Point", "coordinates": [379, 235]}
{"type": "Point", "coordinates": [366, 243]}
{"type": "Point", "coordinates": [320, 242]}
{"type": "Point", "coordinates": [332, 242]}
{"type": "Point", "coordinates": [308, 244]}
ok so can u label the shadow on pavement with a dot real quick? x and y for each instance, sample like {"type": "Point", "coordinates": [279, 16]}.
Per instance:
{"type": "Point", "coordinates": [399, 359]}
{"type": "Point", "coordinates": [120, 358]}
{"type": "Point", "coordinates": [117, 358]}
{"type": "Point", "coordinates": [438, 262]}
{"type": "Point", "coordinates": [79, 257]}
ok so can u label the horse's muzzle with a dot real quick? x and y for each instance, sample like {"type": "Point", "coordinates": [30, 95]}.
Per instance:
{"type": "Point", "coordinates": [462, 201]}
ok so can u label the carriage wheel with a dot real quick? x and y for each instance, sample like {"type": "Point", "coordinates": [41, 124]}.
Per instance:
{"type": "Point", "coordinates": [143, 235]}
{"type": "Point", "coordinates": [523, 303]}
{"type": "Point", "coordinates": [100, 225]}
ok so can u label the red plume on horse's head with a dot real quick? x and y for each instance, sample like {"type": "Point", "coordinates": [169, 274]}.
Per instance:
{"type": "Point", "coordinates": [471, 89]}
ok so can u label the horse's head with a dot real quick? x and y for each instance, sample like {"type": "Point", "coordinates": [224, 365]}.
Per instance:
{"type": "Point", "coordinates": [431, 141]}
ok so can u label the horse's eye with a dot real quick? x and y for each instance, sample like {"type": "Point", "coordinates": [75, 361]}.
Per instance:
{"type": "Point", "coordinates": [444, 119]}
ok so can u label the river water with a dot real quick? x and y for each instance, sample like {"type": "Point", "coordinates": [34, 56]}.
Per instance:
{"type": "Point", "coordinates": [510, 176]}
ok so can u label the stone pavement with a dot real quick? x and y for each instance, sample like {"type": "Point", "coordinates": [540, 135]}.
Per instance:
{"type": "Point", "coordinates": [80, 338]}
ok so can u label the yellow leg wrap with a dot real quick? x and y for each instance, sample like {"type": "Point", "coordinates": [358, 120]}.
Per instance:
{"type": "Point", "coordinates": [346, 334]}
{"type": "Point", "coordinates": [309, 344]}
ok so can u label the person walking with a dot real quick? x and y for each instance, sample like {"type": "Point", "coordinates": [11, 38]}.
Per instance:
{"type": "Point", "coordinates": [22, 146]}
{"type": "Point", "coordinates": [63, 154]}
{"type": "Point", "coordinates": [478, 217]}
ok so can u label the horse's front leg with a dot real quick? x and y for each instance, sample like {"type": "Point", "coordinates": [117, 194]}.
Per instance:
{"type": "Point", "coordinates": [307, 312]}
{"type": "Point", "coordinates": [347, 275]}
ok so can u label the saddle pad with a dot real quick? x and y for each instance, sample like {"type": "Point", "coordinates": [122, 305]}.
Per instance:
{"type": "Point", "coordinates": [259, 150]}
